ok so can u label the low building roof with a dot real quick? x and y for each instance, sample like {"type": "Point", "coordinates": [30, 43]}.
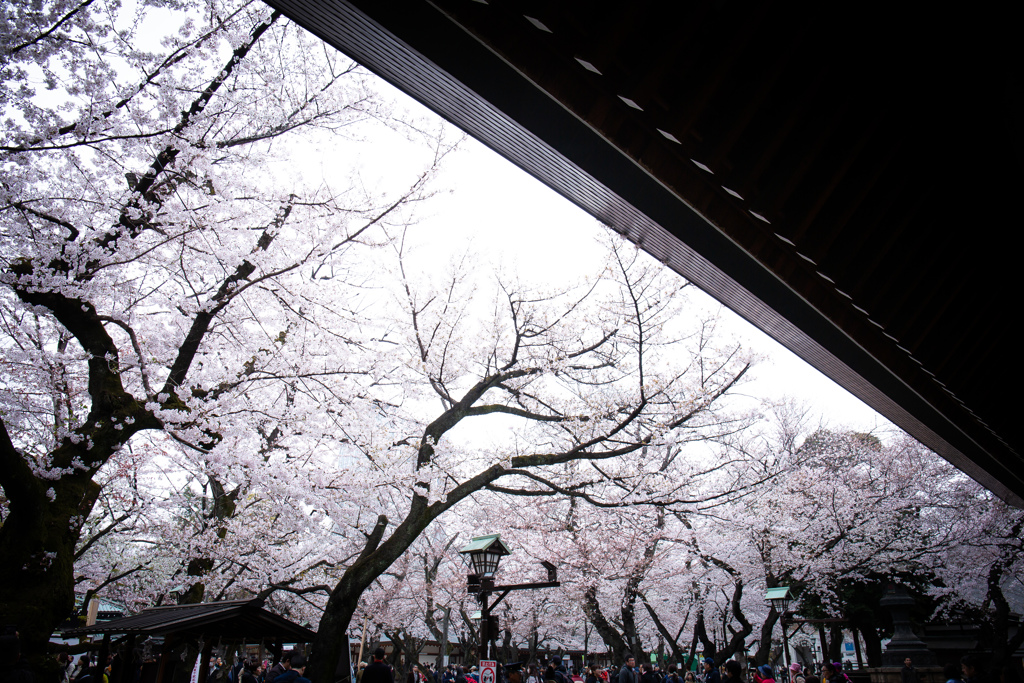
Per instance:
{"type": "Point", "coordinates": [228, 619]}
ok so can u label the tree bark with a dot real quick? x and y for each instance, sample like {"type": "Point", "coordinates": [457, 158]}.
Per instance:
{"type": "Point", "coordinates": [872, 645]}
{"type": "Point", "coordinates": [764, 645]}
{"type": "Point", "coordinates": [609, 634]}
{"type": "Point", "coordinates": [700, 630]}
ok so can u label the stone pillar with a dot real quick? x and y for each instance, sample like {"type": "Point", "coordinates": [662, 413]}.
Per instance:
{"type": "Point", "coordinates": [905, 642]}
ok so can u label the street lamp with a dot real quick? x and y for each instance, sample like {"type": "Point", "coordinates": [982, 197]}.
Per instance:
{"type": "Point", "coordinates": [485, 552]}
{"type": "Point", "coordinates": [780, 598]}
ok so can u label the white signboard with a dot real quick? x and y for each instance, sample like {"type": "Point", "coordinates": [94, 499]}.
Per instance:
{"type": "Point", "coordinates": [488, 671]}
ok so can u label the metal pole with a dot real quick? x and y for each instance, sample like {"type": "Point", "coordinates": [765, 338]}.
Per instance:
{"type": "Point", "coordinates": [785, 642]}
{"type": "Point", "coordinates": [485, 629]}
{"type": "Point", "coordinates": [444, 634]}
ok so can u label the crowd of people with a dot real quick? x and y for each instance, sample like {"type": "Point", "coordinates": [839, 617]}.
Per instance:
{"type": "Point", "coordinates": [291, 667]}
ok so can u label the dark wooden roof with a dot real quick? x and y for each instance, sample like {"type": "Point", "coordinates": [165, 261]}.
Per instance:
{"type": "Point", "coordinates": [846, 180]}
{"type": "Point", "coordinates": [230, 620]}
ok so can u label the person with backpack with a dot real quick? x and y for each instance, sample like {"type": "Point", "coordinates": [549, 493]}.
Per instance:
{"type": "Point", "coordinates": [627, 674]}
{"type": "Point", "coordinates": [561, 675]}
{"type": "Point", "coordinates": [796, 674]}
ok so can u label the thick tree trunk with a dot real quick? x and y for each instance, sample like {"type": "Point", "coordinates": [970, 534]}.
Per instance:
{"type": "Point", "coordinates": [835, 643]}
{"type": "Point", "coordinates": [666, 635]}
{"type": "Point", "coordinates": [611, 637]}
{"type": "Point", "coordinates": [533, 641]}
{"type": "Point", "coordinates": [331, 658]}
{"type": "Point", "coordinates": [737, 642]}
{"type": "Point", "coordinates": [823, 642]}
{"type": "Point", "coordinates": [873, 645]}
{"type": "Point", "coordinates": [764, 644]}
{"type": "Point", "coordinates": [37, 542]}
{"type": "Point", "coordinates": [440, 634]}
{"type": "Point", "coordinates": [700, 630]}
{"type": "Point", "coordinates": [507, 655]}
{"type": "Point", "coordinates": [629, 630]}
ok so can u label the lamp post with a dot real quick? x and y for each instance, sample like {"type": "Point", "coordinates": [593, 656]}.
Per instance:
{"type": "Point", "coordinates": [484, 553]}
{"type": "Point", "coordinates": [780, 598]}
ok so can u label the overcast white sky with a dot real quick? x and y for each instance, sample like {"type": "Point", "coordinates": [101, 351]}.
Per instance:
{"type": "Point", "coordinates": [505, 215]}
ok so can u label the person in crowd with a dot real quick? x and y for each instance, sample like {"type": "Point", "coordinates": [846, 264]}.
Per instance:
{"type": "Point", "coordinates": [733, 671]}
{"type": "Point", "coordinates": [627, 673]}
{"type": "Point", "coordinates": [908, 674]}
{"type": "Point", "coordinates": [972, 669]}
{"type": "Point", "coordinates": [533, 674]}
{"type": "Point", "coordinates": [64, 660]}
{"type": "Point", "coordinates": [249, 672]}
{"type": "Point", "coordinates": [690, 677]}
{"type": "Point", "coordinates": [295, 673]}
{"type": "Point", "coordinates": [561, 674]}
{"type": "Point", "coordinates": [283, 665]}
{"type": "Point", "coordinates": [829, 673]}
{"type": "Point", "coordinates": [82, 668]}
{"type": "Point", "coordinates": [796, 674]}
{"type": "Point", "coordinates": [378, 670]}
{"type": "Point", "coordinates": [711, 674]}
{"type": "Point", "coordinates": [647, 674]}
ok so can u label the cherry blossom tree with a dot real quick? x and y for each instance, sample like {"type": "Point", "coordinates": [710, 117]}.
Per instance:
{"type": "Point", "coordinates": [162, 269]}
{"type": "Point", "coordinates": [979, 572]}
{"type": "Point", "coordinates": [624, 557]}
{"type": "Point", "coordinates": [844, 517]}
{"type": "Point", "coordinates": [578, 383]}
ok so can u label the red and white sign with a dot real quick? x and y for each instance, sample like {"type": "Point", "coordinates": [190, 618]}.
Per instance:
{"type": "Point", "coordinates": [488, 671]}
